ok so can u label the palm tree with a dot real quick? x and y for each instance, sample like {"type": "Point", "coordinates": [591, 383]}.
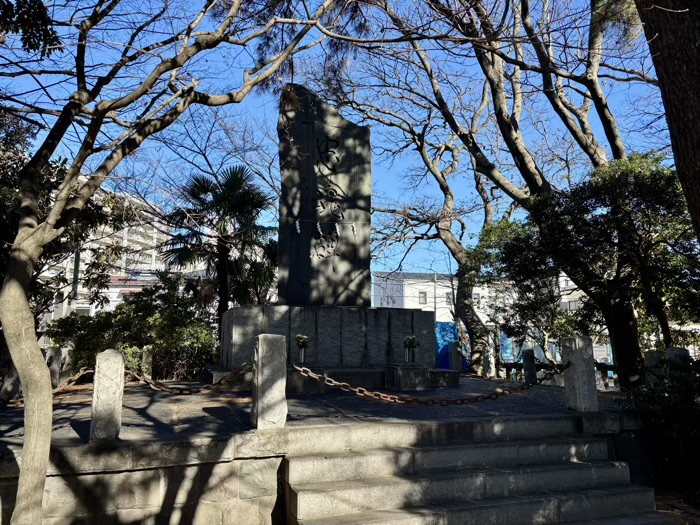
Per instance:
{"type": "Point", "coordinates": [217, 224]}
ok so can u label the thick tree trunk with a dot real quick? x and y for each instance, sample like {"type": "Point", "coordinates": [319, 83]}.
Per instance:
{"type": "Point", "coordinates": [672, 28]}
{"type": "Point", "coordinates": [18, 326]}
{"type": "Point", "coordinates": [478, 333]}
{"type": "Point", "coordinates": [624, 338]}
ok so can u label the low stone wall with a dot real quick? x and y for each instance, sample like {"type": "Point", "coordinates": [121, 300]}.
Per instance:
{"type": "Point", "coordinates": [202, 482]}
{"type": "Point", "coordinates": [339, 337]}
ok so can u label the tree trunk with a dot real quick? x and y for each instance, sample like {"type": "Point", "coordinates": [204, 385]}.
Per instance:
{"type": "Point", "coordinates": [672, 28]}
{"type": "Point", "coordinates": [18, 326]}
{"type": "Point", "coordinates": [222, 280]}
{"type": "Point", "coordinates": [624, 338]}
{"type": "Point", "coordinates": [464, 306]}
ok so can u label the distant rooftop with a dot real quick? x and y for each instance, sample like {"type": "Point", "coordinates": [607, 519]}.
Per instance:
{"type": "Point", "coordinates": [414, 276]}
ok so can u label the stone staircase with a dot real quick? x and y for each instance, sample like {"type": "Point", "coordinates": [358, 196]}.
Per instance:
{"type": "Point", "coordinates": [502, 471]}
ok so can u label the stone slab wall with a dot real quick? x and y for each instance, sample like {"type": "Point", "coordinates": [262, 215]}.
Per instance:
{"type": "Point", "coordinates": [159, 483]}
{"type": "Point", "coordinates": [339, 337]}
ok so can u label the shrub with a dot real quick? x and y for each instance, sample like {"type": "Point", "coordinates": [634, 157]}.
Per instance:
{"type": "Point", "coordinates": [669, 403]}
{"type": "Point", "coordinates": [165, 316]}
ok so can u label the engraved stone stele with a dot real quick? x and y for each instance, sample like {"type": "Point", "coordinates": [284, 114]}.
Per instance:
{"type": "Point", "coordinates": [107, 395]}
{"type": "Point", "coordinates": [269, 409]}
{"type": "Point", "coordinates": [325, 163]}
{"type": "Point", "coordinates": [580, 377]}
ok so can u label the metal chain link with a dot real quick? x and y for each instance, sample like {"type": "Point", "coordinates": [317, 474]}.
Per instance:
{"type": "Point", "coordinates": [429, 401]}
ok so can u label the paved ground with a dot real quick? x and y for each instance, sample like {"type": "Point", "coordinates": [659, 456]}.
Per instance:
{"type": "Point", "coordinates": [149, 414]}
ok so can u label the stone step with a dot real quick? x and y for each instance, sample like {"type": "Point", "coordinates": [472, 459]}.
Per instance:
{"type": "Point", "coordinates": [648, 518]}
{"type": "Point", "coordinates": [390, 462]}
{"type": "Point", "coordinates": [336, 498]}
{"type": "Point", "coordinates": [318, 439]}
{"type": "Point", "coordinates": [623, 504]}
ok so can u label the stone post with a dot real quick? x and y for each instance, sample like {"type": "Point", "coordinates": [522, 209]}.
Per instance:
{"type": "Point", "coordinates": [54, 355]}
{"type": "Point", "coordinates": [529, 366]}
{"type": "Point", "coordinates": [652, 359]}
{"type": "Point", "coordinates": [489, 362]}
{"type": "Point", "coordinates": [107, 395]}
{"type": "Point", "coordinates": [580, 377]}
{"type": "Point", "coordinates": [147, 361]}
{"type": "Point", "coordinates": [269, 408]}
{"type": "Point", "coordinates": [455, 356]}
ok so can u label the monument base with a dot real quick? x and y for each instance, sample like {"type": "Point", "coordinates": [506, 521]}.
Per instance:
{"type": "Point", "coordinates": [298, 384]}
{"type": "Point", "coordinates": [438, 378]}
{"type": "Point", "coordinates": [406, 377]}
{"type": "Point", "coordinates": [338, 337]}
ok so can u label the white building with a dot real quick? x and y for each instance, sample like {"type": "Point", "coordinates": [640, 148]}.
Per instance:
{"type": "Point", "coordinates": [435, 292]}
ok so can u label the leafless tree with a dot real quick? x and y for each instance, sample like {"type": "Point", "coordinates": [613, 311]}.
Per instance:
{"type": "Point", "coordinates": [128, 70]}
{"type": "Point", "coordinates": [549, 69]}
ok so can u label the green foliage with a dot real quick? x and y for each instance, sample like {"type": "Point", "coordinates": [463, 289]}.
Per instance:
{"type": "Point", "coordinates": [165, 317]}
{"type": "Point", "coordinates": [132, 356]}
{"type": "Point", "coordinates": [32, 21]}
{"type": "Point", "coordinates": [629, 226]}
{"type": "Point", "coordinates": [669, 402]}
{"type": "Point", "coordinates": [520, 266]}
{"type": "Point", "coordinates": [15, 139]}
{"type": "Point", "coordinates": [217, 224]}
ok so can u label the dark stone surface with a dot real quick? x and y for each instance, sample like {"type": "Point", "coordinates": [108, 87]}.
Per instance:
{"type": "Point", "coordinates": [324, 206]}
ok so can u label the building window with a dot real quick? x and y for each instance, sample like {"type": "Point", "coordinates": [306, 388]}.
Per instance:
{"type": "Point", "coordinates": [422, 297]}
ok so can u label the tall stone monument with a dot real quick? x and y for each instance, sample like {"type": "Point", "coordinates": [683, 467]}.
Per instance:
{"type": "Point", "coordinates": [325, 160]}
{"type": "Point", "coordinates": [324, 288]}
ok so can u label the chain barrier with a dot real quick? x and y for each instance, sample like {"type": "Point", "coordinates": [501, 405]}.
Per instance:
{"type": "Point", "coordinates": [152, 383]}
{"type": "Point", "coordinates": [19, 401]}
{"type": "Point", "coordinates": [429, 401]}
{"type": "Point", "coordinates": [186, 391]}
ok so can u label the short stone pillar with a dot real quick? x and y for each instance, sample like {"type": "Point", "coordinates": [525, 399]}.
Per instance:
{"type": "Point", "coordinates": [652, 362]}
{"type": "Point", "coordinates": [54, 356]}
{"type": "Point", "coordinates": [269, 408]}
{"type": "Point", "coordinates": [455, 356]}
{"type": "Point", "coordinates": [678, 356]}
{"type": "Point", "coordinates": [489, 362]}
{"type": "Point", "coordinates": [529, 366]}
{"type": "Point", "coordinates": [107, 395]}
{"type": "Point", "coordinates": [580, 377]}
{"type": "Point", "coordinates": [147, 361]}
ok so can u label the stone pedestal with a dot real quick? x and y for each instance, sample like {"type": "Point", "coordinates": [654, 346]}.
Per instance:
{"type": "Point", "coordinates": [443, 378]}
{"type": "Point", "coordinates": [339, 338]}
{"type": "Point", "coordinates": [107, 395]}
{"type": "Point", "coordinates": [580, 377]}
{"type": "Point", "coordinates": [406, 377]}
{"type": "Point", "coordinates": [299, 384]}
{"type": "Point", "coordinates": [269, 409]}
